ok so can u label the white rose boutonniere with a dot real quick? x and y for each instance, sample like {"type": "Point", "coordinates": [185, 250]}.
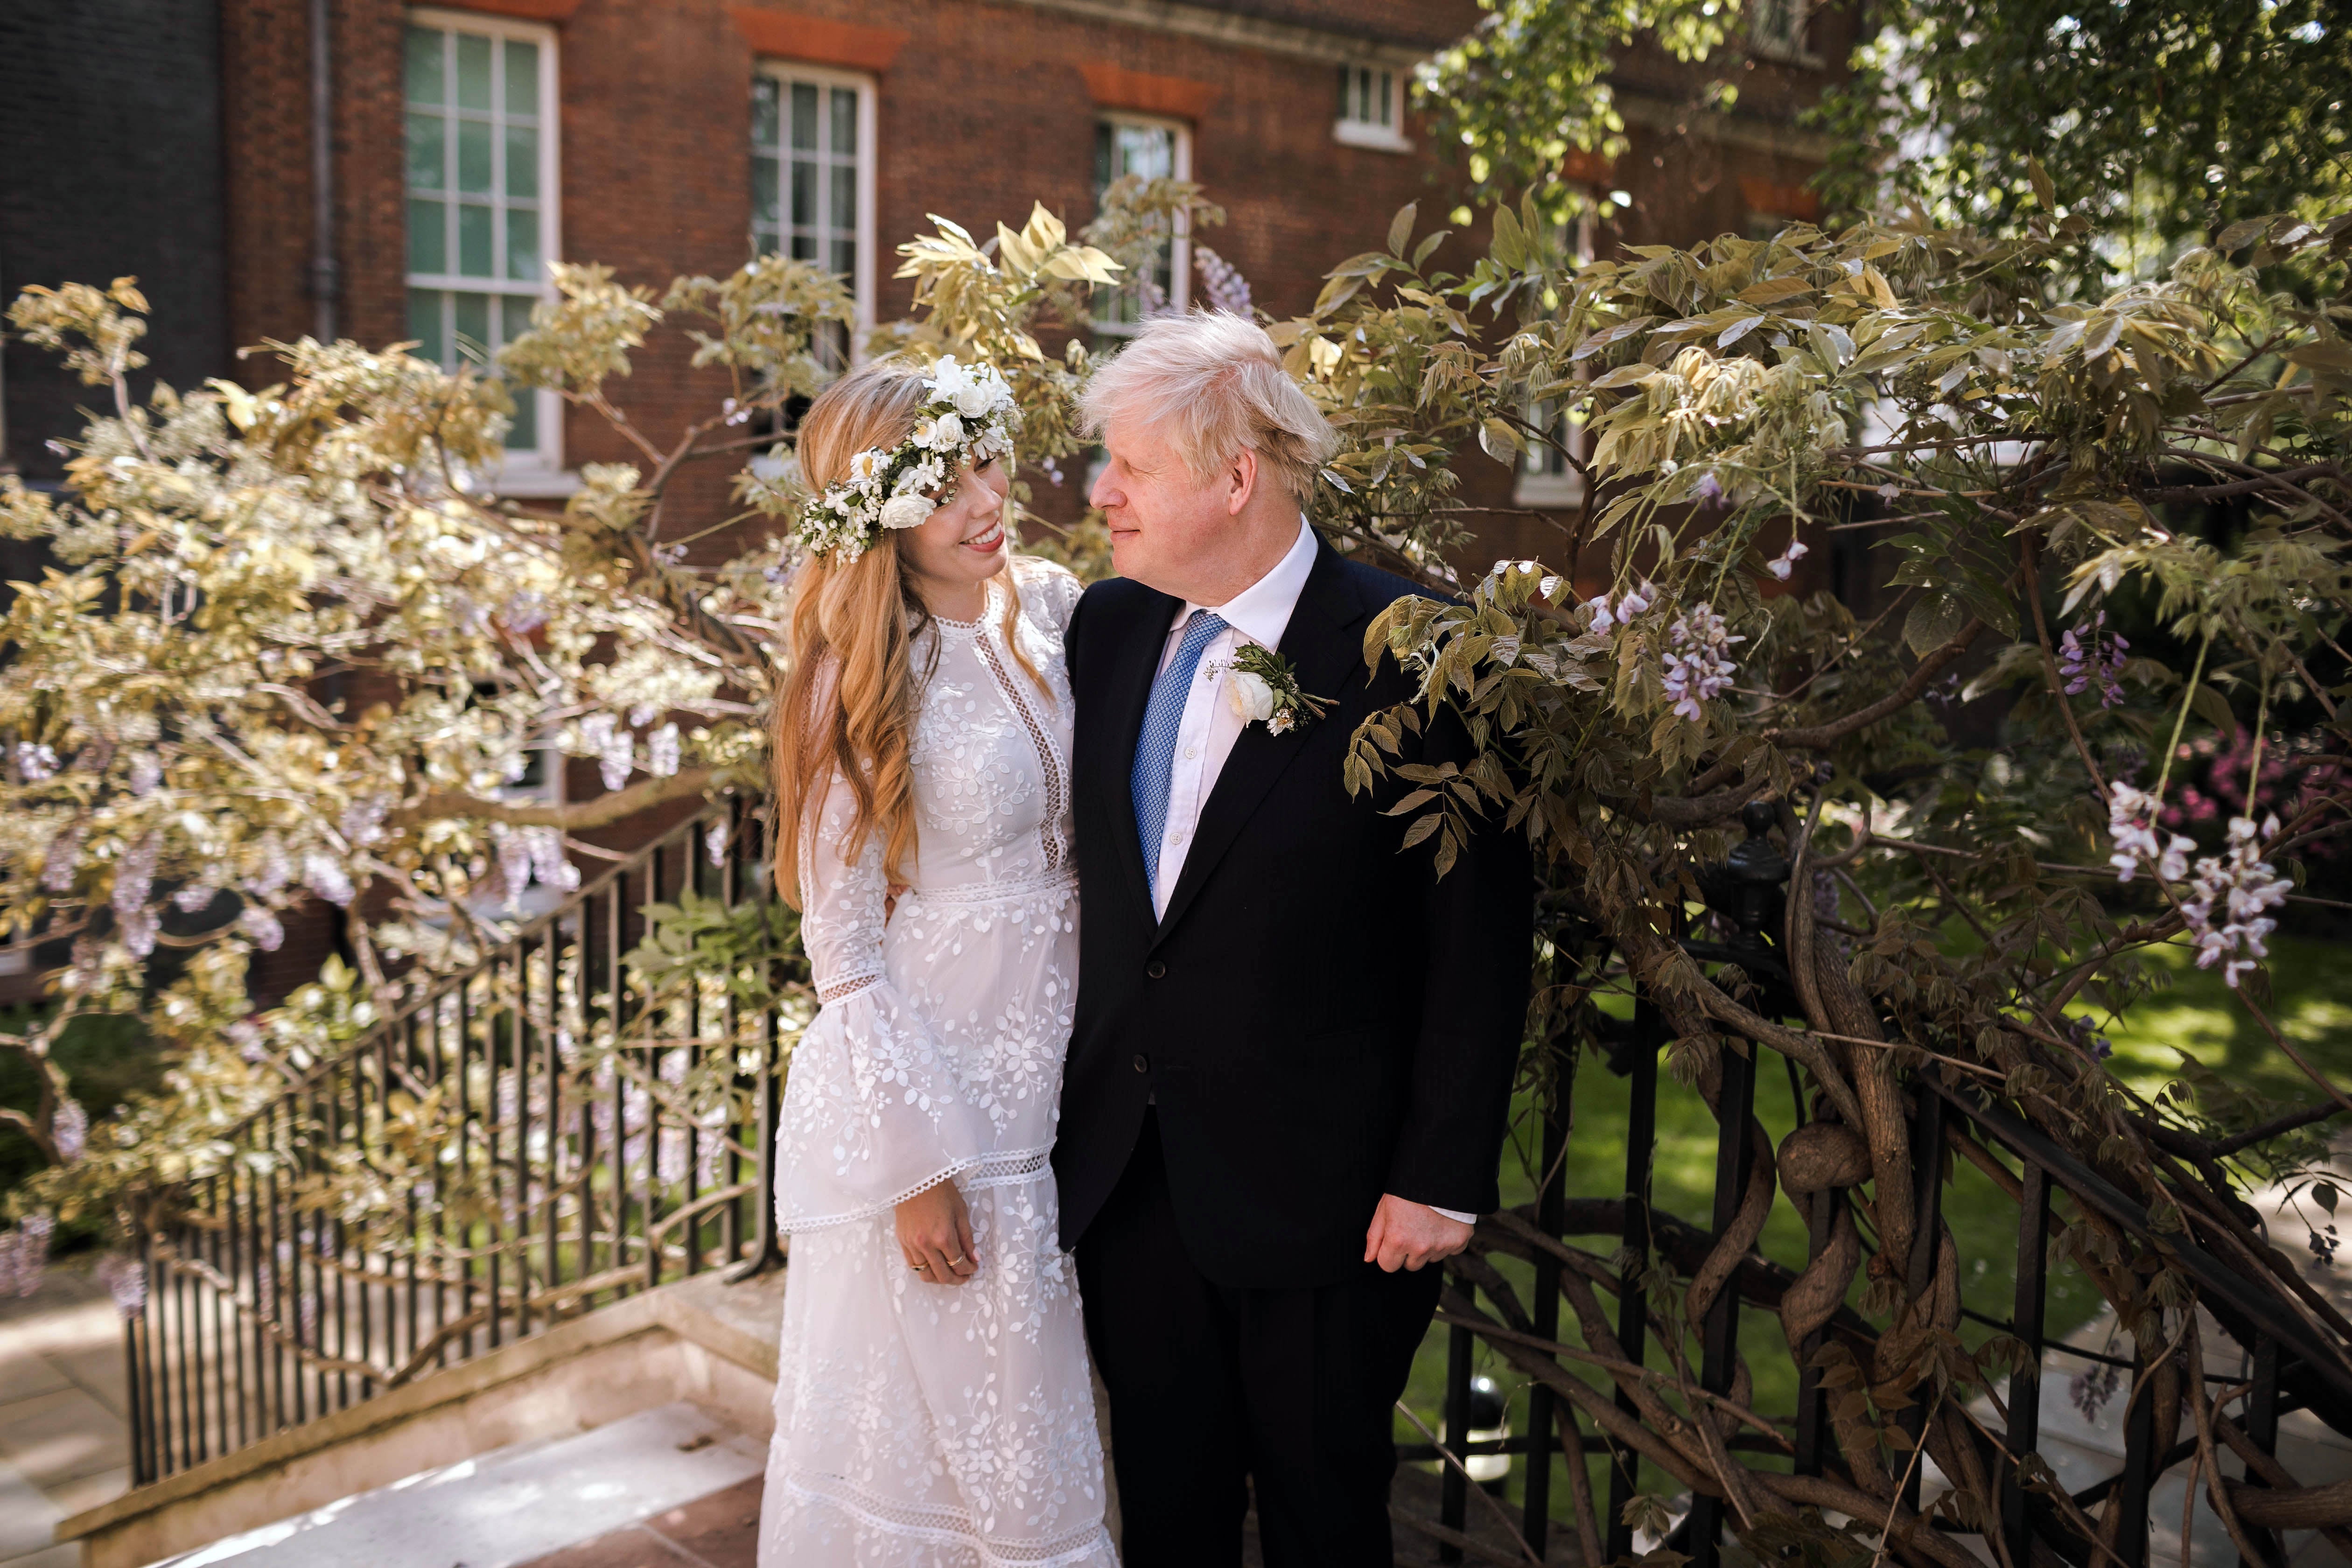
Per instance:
{"type": "Point", "coordinates": [1261, 689]}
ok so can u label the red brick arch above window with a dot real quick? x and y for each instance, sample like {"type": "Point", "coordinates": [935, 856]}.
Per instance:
{"type": "Point", "coordinates": [818, 40]}
{"type": "Point", "coordinates": [1116, 87]}
{"type": "Point", "coordinates": [523, 10]}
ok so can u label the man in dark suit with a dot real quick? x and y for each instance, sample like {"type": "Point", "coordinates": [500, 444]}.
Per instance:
{"type": "Point", "coordinates": [1294, 1043]}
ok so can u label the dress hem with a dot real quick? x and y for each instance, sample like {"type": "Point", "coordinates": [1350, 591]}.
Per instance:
{"type": "Point", "coordinates": [1091, 1545]}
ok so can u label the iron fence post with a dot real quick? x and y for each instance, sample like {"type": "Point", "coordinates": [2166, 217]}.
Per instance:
{"type": "Point", "coordinates": [1719, 1335]}
{"type": "Point", "coordinates": [2025, 1434]}
{"type": "Point", "coordinates": [1550, 1204]}
{"type": "Point", "coordinates": [1632, 1309]}
{"type": "Point", "coordinates": [2262, 1428]}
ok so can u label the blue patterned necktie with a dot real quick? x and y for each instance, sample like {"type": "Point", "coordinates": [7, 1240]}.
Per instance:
{"type": "Point", "coordinates": [1155, 749]}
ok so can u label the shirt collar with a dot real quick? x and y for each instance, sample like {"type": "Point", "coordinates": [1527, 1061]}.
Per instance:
{"type": "Point", "coordinates": [1261, 612]}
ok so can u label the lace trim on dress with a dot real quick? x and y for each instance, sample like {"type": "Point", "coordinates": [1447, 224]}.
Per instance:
{"type": "Point", "coordinates": [1058, 772]}
{"type": "Point", "coordinates": [953, 1527]}
{"type": "Point", "coordinates": [994, 892]}
{"type": "Point", "coordinates": [1009, 1165]}
{"type": "Point", "coordinates": [1000, 1168]}
{"type": "Point", "coordinates": [841, 987]}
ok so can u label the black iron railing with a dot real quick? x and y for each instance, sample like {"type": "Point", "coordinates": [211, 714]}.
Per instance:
{"type": "Point", "coordinates": [554, 1094]}
{"type": "Point", "coordinates": [524, 1142]}
{"type": "Point", "coordinates": [2289, 1363]}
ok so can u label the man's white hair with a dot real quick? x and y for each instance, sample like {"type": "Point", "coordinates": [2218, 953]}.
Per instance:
{"type": "Point", "coordinates": [1213, 383]}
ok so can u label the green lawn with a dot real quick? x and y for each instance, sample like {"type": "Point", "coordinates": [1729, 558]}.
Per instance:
{"type": "Point", "coordinates": [2312, 984]}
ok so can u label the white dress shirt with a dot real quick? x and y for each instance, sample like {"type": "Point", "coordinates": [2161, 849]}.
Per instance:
{"type": "Point", "coordinates": [1205, 735]}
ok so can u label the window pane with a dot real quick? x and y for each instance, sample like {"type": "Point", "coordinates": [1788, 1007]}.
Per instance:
{"type": "Point", "coordinates": [764, 177]}
{"type": "Point", "coordinates": [522, 161]}
{"type": "Point", "coordinates": [425, 77]}
{"type": "Point", "coordinates": [845, 256]}
{"type": "Point", "coordinates": [522, 435]}
{"type": "Point", "coordinates": [844, 122]}
{"type": "Point", "coordinates": [1145, 150]}
{"type": "Point", "coordinates": [804, 193]}
{"type": "Point", "coordinates": [522, 80]}
{"type": "Point", "coordinates": [804, 117]}
{"type": "Point", "coordinates": [473, 313]}
{"type": "Point", "coordinates": [514, 317]}
{"type": "Point", "coordinates": [1388, 83]}
{"type": "Point", "coordinates": [1104, 173]}
{"type": "Point", "coordinates": [425, 325]}
{"type": "Point", "coordinates": [474, 156]}
{"type": "Point", "coordinates": [522, 242]}
{"type": "Point", "coordinates": [844, 196]}
{"type": "Point", "coordinates": [428, 151]}
{"type": "Point", "coordinates": [472, 71]}
{"type": "Point", "coordinates": [428, 237]}
{"type": "Point", "coordinates": [766, 241]}
{"type": "Point", "coordinates": [764, 110]}
{"type": "Point", "coordinates": [803, 248]}
{"type": "Point", "coordinates": [474, 241]}
{"type": "Point", "coordinates": [1347, 78]}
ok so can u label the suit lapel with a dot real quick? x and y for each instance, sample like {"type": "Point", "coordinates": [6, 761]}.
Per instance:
{"type": "Point", "coordinates": [1130, 693]}
{"type": "Point", "coordinates": [1322, 645]}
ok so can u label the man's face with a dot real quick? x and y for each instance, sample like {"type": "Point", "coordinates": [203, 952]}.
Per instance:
{"type": "Point", "coordinates": [1164, 523]}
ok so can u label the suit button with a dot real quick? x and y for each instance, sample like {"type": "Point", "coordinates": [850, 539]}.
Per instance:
{"type": "Point", "coordinates": [1156, 970]}
{"type": "Point", "coordinates": [1143, 1062]}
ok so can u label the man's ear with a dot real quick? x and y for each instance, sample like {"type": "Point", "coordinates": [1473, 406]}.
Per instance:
{"type": "Point", "coordinates": [1240, 482]}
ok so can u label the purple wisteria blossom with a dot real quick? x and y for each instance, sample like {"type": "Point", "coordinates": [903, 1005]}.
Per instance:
{"type": "Point", "coordinates": [2100, 659]}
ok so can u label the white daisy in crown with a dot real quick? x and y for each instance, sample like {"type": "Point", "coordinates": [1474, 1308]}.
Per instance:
{"type": "Point", "coordinates": [969, 416]}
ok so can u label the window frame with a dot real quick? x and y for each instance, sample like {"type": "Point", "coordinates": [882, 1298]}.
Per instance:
{"type": "Point", "coordinates": [1179, 251]}
{"type": "Point", "coordinates": [539, 469]}
{"type": "Point", "coordinates": [862, 281]}
{"type": "Point", "coordinates": [1796, 49]}
{"type": "Point", "coordinates": [1540, 489]}
{"type": "Point", "coordinates": [1351, 131]}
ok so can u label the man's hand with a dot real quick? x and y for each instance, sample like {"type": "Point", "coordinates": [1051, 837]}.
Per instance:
{"type": "Point", "coordinates": [1407, 1234]}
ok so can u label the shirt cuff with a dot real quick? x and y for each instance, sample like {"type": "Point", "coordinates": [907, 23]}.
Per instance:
{"type": "Point", "coordinates": [1456, 1215]}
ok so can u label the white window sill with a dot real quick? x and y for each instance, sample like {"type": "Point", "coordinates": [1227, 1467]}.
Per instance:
{"type": "Point", "coordinates": [1548, 490]}
{"type": "Point", "coordinates": [533, 484]}
{"type": "Point", "coordinates": [1361, 133]}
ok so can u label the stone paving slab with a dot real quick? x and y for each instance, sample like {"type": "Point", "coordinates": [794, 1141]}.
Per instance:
{"type": "Point", "coordinates": [64, 1446]}
{"type": "Point", "coordinates": [513, 1505]}
{"type": "Point", "coordinates": [721, 1531]}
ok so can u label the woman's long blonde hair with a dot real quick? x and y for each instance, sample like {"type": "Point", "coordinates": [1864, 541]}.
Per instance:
{"type": "Point", "coordinates": [848, 703]}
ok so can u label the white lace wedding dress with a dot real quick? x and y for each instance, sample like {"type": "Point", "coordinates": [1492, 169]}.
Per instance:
{"type": "Point", "coordinates": [944, 1426]}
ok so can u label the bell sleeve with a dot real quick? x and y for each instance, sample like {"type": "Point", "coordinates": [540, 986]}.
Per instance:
{"type": "Point", "coordinates": [875, 1110]}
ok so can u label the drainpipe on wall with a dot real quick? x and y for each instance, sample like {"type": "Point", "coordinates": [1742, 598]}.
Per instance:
{"type": "Point", "coordinates": [6, 464]}
{"type": "Point", "coordinates": [325, 280]}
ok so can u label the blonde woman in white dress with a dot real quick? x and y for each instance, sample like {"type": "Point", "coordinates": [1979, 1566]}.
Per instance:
{"type": "Point", "coordinates": [933, 1403]}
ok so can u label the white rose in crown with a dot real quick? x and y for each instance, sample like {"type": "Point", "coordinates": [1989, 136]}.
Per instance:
{"type": "Point", "coordinates": [974, 399]}
{"type": "Point", "coordinates": [948, 432]}
{"type": "Point", "coordinates": [906, 512]}
{"type": "Point", "coordinates": [1251, 698]}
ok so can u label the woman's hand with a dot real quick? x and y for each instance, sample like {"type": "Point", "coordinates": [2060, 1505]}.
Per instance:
{"type": "Point", "coordinates": [935, 1233]}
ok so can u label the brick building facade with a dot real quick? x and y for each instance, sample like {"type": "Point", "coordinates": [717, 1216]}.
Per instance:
{"type": "Point", "coordinates": [411, 180]}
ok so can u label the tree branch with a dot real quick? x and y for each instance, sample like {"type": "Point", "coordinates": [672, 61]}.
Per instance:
{"type": "Point", "coordinates": [599, 812]}
{"type": "Point", "coordinates": [1922, 676]}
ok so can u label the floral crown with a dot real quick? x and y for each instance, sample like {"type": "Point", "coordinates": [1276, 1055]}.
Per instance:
{"type": "Point", "coordinates": [969, 413]}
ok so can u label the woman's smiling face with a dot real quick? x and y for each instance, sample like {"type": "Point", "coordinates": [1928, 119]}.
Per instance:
{"type": "Point", "coordinates": [962, 544]}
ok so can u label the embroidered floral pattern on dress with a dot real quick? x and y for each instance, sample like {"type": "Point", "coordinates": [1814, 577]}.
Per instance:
{"type": "Point", "coordinates": [921, 1426]}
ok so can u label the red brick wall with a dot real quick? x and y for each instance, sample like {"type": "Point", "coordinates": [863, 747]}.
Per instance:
{"type": "Point", "coordinates": [981, 109]}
